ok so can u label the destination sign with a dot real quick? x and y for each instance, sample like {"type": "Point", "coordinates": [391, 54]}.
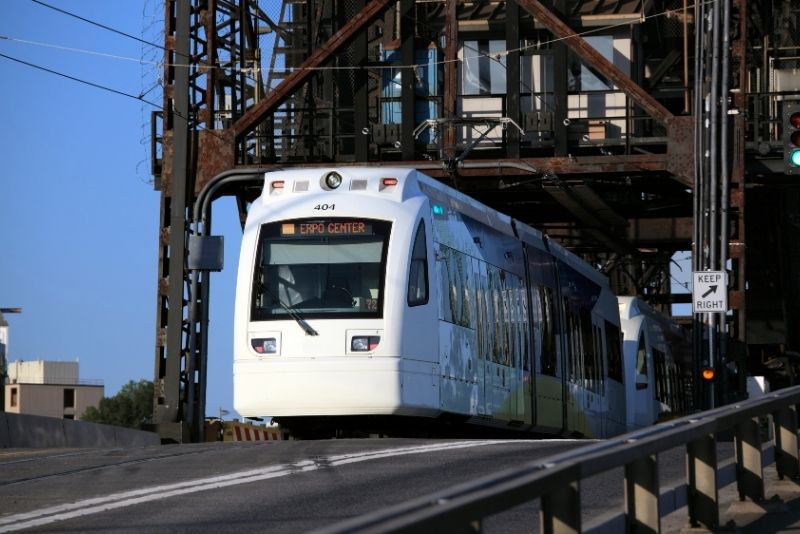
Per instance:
{"type": "Point", "coordinates": [326, 228]}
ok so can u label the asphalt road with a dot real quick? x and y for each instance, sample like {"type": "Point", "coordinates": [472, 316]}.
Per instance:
{"type": "Point", "coordinates": [282, 486]}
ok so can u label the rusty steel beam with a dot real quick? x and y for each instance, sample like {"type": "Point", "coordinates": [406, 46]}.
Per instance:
{"type": "Point", "coordinates": [666, 233]}
{"type": "Point", "coordinates": [577, 165]}
{"type": "Point", "coordinates": [450, 77]}
{"type": "Point", "coordinates": [597, 218]}
{"type": "Point", "coordinates": [170, 386]}
{"type": "Point", "coordinates": [258, 112]}
{"type": "Point", "coordinates": [579, 45]}
{"type": "Point", "coordinates": [648, 232]}
{"type": "Point", "coordinates": [633, 163]}
{"type": "Point", "coordinates": [513, 109]}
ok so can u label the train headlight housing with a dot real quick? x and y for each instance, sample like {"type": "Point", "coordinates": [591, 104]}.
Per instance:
{"type": "Point", "coordinates": [364, 343]}
{"type": "Point", "coordinates": [332, 180]}
{"type": "Point", "coordinates": [267, 345]}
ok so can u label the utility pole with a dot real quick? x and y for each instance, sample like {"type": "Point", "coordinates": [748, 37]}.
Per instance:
{"type": "Point", "coordinates": [4, 353]}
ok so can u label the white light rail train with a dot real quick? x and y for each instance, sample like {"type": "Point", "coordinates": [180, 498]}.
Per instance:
{"type": "Point", "coordinates": [378, 299]}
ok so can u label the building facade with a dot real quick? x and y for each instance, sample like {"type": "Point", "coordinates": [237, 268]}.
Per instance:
{"type": "Point", "coordinates": [50, 389]}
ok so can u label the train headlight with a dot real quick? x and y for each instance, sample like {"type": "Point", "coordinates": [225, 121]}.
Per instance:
{"type": "Point", "coordinates": [332, 180]}
{"type": "Point", "coordinates": [268, 345]}
{"type": "Point", "coordinates": [364, 343]}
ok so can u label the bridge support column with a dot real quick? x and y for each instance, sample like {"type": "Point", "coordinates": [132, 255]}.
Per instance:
{"type": "Point", "coordinates": [561, 510]}
{"type": "Point", "coordinates": [642, 513]}
{"type": "Point", "coordinates": [786, 455]}
{"type": "Point", "coordinates": [749, 470]}
{"type": "Point", "coordinates": [701, 472]}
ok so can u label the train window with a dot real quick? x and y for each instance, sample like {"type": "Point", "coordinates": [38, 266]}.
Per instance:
{"type": "Point", "coordinates": [465, 264]}
{"type": "Point", "coordinates": [498, 305]}
{"type": "Point", "coordinates": [641, 357]}
{"type": "Point", "coordinates": [549, 355]}
{"type": "Point", "coordinates": [524, 327]}
{"type": "Point", "coordinates": [418, 271]}
{"type": "Point", "coordinates": [498, 348]}
{"type": "Point", "coordinates": [588, 352]}
{"type": "Point", "coordinates": [598, 347]}
{"type": "Point", "coordinates": [320, 268]}
{"type": "Point", "coordinates": [614, 350]}
{"type": "Point", "coordinates": [505, 305]}
{"type": "Point", "coordinates": [480, 307]}
{"type": "Point", "coordinates": [536, 327]}
{"type": "Point", "coordinates": [517, 325]}
{"type": "Point", "coordinates": [511, 327]}
{"type": "Point", "coordinates": [662, 388]}
{"type": "Point", "coordinates": [572, 342]}
{"type": "Point", "coordinates": [454, 273]}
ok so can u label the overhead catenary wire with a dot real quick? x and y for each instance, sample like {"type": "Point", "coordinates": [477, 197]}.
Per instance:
{"type": "Point", "coordinates": [74, 49]}
{"type": "Point", "coordinates": [80, 80]}
{"type": "Point", "coordinates": [140, 98]}
{"type": "Point", "coordinates": [494, 55]}
{"type": "Point", "coordinates": [98, 24]}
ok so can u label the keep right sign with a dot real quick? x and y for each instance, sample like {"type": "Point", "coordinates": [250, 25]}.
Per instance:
{"type": "Point", "coordinates": [709, 291]}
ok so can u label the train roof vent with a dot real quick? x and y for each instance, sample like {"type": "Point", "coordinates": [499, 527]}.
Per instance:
{"type": "Point", "coordinates": [358, 185]}
{"type": "Point", "coordinates": [301, 186]}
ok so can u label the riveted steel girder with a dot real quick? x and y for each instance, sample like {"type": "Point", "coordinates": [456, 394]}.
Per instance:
{"type": "Point", "coordinates": [257, 113]}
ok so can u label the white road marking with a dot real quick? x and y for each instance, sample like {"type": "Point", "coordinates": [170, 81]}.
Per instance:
{"type": "Point", "coordinates": [123, 499]}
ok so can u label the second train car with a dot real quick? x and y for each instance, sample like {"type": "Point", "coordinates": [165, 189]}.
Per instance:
{"type": "Point", "coordinates": [376, 298]}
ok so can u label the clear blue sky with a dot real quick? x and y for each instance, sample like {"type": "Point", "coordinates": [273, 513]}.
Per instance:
{"type": "Point", "coordinates": [78, 216]}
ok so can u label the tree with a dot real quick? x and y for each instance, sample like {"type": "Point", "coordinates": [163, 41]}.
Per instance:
{"type": "Point", "coordinates": [132, 407]}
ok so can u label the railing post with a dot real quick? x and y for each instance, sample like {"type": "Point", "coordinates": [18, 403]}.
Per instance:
{"type": "Point", "coordinates": [642, 512]}
{"type": "Point", "coordinates": [701, 472]}
{"type": "Point", "coordinates": [749, 470]}
{"type": "Point", "coordinates": [561, 510]}
{"type": "Point", "coordinates": [787, 462]}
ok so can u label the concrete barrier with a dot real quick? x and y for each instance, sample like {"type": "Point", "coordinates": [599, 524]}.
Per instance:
{"type": "Point", "coordinates": [33, 431]}
{"type": "Point", "coordinates": [4, 434]}
{"type": "Point", "coordinates": [26, 431]}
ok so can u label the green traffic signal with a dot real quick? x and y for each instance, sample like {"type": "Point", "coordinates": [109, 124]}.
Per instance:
{"type": "Point", "coordinates": [794, 157]}
{"type": "Point", "coordinates": [791, 137]}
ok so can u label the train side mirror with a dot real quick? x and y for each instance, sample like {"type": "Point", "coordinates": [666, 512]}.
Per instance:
{"type": "Point", "coordinates": [641, 381]}
{"type": "Point", "coordinates": [205, 253]}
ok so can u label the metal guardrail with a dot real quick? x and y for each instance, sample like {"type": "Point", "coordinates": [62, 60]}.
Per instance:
{"type": "Point", "coordinates": [556, 480]}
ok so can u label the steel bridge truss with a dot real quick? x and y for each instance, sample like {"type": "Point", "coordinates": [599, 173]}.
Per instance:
{"type": "Point", "coordinates": [601, 154]}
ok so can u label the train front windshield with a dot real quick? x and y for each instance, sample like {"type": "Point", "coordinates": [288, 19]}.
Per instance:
{"type": "Point", "coordinates": [317, 268]}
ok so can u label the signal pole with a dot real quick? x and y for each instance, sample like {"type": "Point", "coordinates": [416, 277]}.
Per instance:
{"type": "Point", "coordinates": [4, 353]}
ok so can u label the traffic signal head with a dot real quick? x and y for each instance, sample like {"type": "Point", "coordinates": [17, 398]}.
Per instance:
{"type": "Point", "coordinates": [707, 374]}
{"type": "Point", "coordinates": [791, 137]}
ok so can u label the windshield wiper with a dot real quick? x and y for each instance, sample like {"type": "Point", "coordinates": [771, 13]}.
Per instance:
{"type": "Point", "coordinates": [292, 313]}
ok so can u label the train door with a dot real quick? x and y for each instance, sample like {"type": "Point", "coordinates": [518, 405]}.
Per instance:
{"type": "Point", "coordinates": [525, 405]}
{"type": "Point", "coordinates": [502, 377]}
{"type": "Point", "coordinates": [576, 399]}
{"type": "Point", "coordinates": [497, 366]}
{"type": "Point", "coordinates": [521, 382]}
{"type": "Point", "coordinates": [549, 388]}
{"type": "Point", "coordinates": [663, 383]}
{"type": "Point", "coordinates": [482, 325]}
{"type": "Point", "coordinates": [590, 384]}
{"type": "Point", "coordinates": [645, 411]}
{"type": "Point", "coordinates": [613, 377]}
